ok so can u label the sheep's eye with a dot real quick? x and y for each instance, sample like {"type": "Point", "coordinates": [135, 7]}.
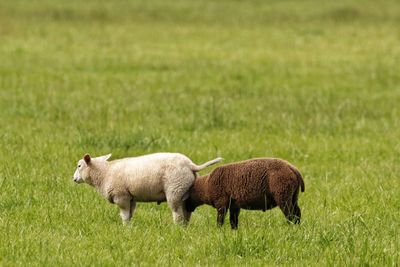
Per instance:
{"type": "Point", "coordinates": [79, 166]}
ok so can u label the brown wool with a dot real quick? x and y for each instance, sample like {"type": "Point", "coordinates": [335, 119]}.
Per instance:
{"type": "Point", "coordinates": [255, 184]}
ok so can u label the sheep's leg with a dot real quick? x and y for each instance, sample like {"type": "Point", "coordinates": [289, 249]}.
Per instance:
{"type": "Point", "coordinates": [296, 209]}
{"type": "Point", "coordinates": [288, 209]}
{"type": "Point", "coordinates": [178, 211]}
{"type": "Point", "coordinates": [221, 205]}
{"type": "Point", "coordinates": [125, 215]}
{"type": "Point", "coordinates": [176, 187]}
{"type": "Point", "coordinates": [221, 216]}
{"type": "Point", "coordinates": [297, 214]}
{"type": "Point", "coordinates": [133, 207]}
{"type": "Point", "coordinates": [124, 204]}
{"type": "Point", "coordinates": [177, 205]}
{"type": "Point", "coordinates": [234, 217]}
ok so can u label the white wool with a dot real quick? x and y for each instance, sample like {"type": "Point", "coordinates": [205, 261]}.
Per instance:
{"type": "Point", "coordinates": [154, 177]}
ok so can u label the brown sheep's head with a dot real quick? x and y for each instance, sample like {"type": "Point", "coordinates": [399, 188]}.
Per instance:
{"type": "Point", "coordinates": [189, 205]}
{"type": "Point", "coordinates": [192, 202]}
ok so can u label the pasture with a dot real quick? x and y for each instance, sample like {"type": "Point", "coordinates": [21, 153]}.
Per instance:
{"type": "Point", "coordinates": [316, 83]}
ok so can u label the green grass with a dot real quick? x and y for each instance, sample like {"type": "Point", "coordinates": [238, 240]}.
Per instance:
{"type": "Point", "coordinates": [316, 83]}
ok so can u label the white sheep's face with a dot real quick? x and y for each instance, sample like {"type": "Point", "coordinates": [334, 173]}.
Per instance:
{"type": "Point", "coordinates": [82, 170]}
{"type": "Point", "coordinates": [81, 174]}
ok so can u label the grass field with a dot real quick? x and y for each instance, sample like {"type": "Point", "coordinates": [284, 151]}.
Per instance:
{"type": "Point", "coordinates": [314, 82]}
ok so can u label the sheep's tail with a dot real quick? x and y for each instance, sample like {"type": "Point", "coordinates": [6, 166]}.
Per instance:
{"type": "Point", "coordinates": [197, 168]}
{"type": "Point", "coordinates": [299, 177]}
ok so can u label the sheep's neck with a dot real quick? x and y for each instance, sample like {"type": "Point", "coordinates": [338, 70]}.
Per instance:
{"type": "Point", "coordinates": [199, 193]}
{"type": "Point", "coordinates": [97, 174]}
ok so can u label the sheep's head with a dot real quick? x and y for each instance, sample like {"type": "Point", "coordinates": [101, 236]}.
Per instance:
{"type": "Point", "coordinates": [196, 194]}
{"type": "Point", "coordinates": [82, 172]}
{"type": "Point", "coordinates": [190, 205]}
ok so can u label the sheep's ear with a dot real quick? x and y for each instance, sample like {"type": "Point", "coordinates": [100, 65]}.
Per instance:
{"type": "Point", "coordinates": [87, 158]}
{"type": "Point", "coordinates": [105, 157]}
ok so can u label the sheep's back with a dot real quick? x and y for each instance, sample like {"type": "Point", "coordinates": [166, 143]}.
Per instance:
{"type": "Point", "coordinates": [251, 180]}
{"type": "Point", "coordinates": [148, 177]}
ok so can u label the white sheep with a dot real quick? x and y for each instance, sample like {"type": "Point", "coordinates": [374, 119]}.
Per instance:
{"type": "Point", "coordinates": [154, 177]}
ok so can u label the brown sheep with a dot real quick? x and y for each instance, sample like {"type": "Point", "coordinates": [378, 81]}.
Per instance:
{"type": "Point", "coordinates": [255, 184]}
